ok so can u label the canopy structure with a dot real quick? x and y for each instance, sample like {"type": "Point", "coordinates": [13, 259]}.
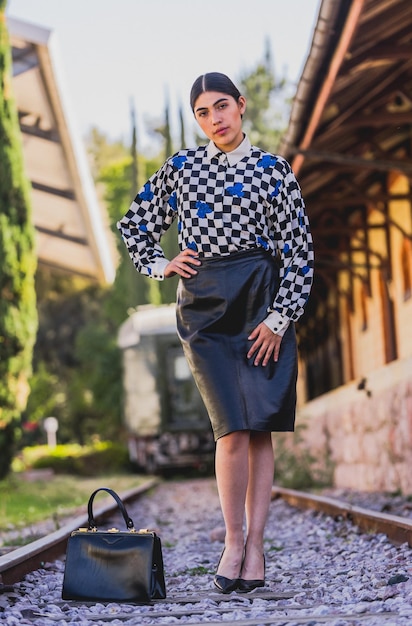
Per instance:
{"type": "Point", "coordinates": [349, 135]}
{"type": "Point", "coordinates": [353, 107]}
{"type": "Point", "coordinates": [71, 227]}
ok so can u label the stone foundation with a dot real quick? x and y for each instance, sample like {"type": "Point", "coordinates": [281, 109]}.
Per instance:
{"type": "Point", "coordinates": [365, 433]}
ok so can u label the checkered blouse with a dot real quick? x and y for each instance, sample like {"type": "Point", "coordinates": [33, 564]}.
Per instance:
{"type": "Point", "coordinates": [224, 203]}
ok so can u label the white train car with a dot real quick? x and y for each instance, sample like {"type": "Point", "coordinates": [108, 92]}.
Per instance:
{"type": "Point", "coordinates": [166, 420]}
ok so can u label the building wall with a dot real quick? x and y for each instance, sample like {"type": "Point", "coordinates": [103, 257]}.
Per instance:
{"type": "Point", "coordinates": [401, 214]}
{"type": "Point", "coordinates": [364, 427]}
{"type": "Point", "coordinates": [364, 311]}
{"type": "Point", "coordinates": [366, 434]}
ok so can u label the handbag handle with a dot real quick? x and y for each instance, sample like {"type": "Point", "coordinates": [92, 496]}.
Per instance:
{"type": "Point", "coordinates": [92, 523]}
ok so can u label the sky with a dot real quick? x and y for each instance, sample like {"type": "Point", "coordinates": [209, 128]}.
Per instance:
{"type": "Point", "coordinates": [113, 53]}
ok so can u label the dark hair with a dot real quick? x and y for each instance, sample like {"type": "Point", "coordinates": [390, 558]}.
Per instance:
{"type": "Point", "coordinates": [213, 81]}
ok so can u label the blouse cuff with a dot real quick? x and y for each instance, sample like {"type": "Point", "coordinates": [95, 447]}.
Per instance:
{"type": "Point", "coordinates": [158, 268]}
{"type": "Point", "coordinates": [277, 323]}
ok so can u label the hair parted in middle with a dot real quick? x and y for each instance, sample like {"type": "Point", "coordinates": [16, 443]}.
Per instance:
{"type": "Point", "coordinates": [213, 81]}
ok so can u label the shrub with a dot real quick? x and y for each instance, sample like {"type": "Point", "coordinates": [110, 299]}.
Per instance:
{"type": "Point", "coordinates": [94, 460]}
{"type": "Point", "coordinates": [295, 467]}
{"type": "Point", "coordinates": [18, 315]}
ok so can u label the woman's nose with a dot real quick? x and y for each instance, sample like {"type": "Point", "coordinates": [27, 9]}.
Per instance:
{"type": "Point", "coordinates": [216, 117]}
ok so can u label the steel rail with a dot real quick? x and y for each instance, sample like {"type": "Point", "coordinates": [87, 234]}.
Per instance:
{"type": "Point", "coordinates": [17, 563]}
{"type": "Point", "coordinates": [396, 528]}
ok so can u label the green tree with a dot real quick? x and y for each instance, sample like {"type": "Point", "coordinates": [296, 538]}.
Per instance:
{"type": "Point", "coordinates": [182, 129]}
{"type": "Point", "coordinates": [130, 288]}
{"type": "Point", "coordinates": [134, 179]}
{"type": "Point", "coordinates": [96, 383]}
{"type": "Point", "coordinates": [167, 132]}
{"type": "Point", "coordinates": [267, 104]}
{"type": "Point", "coordinates": [101, 151]}
{"type": "Point", "coordinates": [117, 178]}
{"type": "Point", "coordinates": [164, 130]}
{"type": "Point", "coordinates": [18, 318]}
{"type": "Point", "coordinates": [77, 373]}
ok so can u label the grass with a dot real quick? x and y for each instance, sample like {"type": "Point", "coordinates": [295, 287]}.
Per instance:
{"type": "Point", "coordinates": [23, 502]}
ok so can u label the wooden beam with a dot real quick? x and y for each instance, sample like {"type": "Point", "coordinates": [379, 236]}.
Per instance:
{"type": "Point", "coordinates": [329, 81]}
{"type": "Point", "coordinates": [353, 161]}
{"type": "Point", "coordinates": [54, 191]}
{"type": "Point", "coordinates": [352, 200]}
{"type": "Point", "coordinates": [380, 119]}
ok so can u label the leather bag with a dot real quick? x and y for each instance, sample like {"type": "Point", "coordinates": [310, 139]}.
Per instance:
{"type": "Point", "coordinates": [113, 565]}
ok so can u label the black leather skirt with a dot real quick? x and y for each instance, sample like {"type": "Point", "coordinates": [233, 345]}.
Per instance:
{"type": "Point", "coordinates": [217, 309]}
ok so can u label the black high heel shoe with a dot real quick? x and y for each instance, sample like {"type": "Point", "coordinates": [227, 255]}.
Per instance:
{"type": "Point", "coordinates": [245, 586]}
{"type": "Point", "coordinates": [223, 584]}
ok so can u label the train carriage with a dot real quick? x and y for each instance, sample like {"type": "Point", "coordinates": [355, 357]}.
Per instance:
{"type": "Point", "coordinates": [166, 421]}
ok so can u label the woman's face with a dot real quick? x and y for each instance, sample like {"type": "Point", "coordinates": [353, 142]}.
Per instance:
{"type": "Point", "coordinates": [219, 116]}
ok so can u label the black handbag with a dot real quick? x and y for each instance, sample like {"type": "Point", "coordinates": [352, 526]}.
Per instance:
{"type": "Point", "coordinates": [113, 565]}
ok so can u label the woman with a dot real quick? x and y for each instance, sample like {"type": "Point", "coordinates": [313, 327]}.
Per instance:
{"type": "Point", "coordinates": [245, 267]}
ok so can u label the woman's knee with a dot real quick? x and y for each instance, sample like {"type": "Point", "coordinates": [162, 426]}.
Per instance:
{"type": "Point", "coordinates": [234, 442]}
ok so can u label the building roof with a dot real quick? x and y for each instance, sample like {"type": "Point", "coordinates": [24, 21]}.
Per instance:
{"type": "Point", "coordinates": [71, 227]}
{"type": "Point", "coordinates": [350, 127]}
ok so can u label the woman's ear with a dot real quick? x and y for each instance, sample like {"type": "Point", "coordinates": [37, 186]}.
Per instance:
{"type": "Point", "coordinates": [241, 104]}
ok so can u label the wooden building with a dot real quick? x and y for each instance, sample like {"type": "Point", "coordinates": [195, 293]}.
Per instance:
{"type": "Point", "coordinates": [72, 228]}
{"type": "Point", "coordinates": [350, 143]}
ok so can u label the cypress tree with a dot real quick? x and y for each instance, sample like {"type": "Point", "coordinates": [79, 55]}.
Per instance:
{"type": "Point", "coordinates": [18, 316]}
{"type": "Point", "coordinates": [167, 288]}
{"type": "Point", "coordinates": [167, 133]}
{"type": "Point", "coordinates": [182, 129]}
{"type": "Point", "coordinates": [267, 109]}
{"type": "Point", "coordinates": [135, 168]}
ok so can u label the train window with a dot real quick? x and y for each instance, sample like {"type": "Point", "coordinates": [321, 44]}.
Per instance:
{"type": "Point", "coordinates": [181, 368]}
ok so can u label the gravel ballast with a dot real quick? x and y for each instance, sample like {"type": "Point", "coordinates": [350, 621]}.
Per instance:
{"type": "Point", "coordinates": [318, 570]}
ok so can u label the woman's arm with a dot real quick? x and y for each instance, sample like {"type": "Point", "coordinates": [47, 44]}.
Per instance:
{"type": "Point", "coordinates": [148, 218]}
{"type": "Point", "coordinates": [294, 242]}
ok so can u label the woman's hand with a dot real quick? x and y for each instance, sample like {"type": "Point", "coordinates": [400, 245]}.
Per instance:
{"type": "Point", "coordinates": [182, 264]}
{"type": "Point", "coordinates": [266, 345]}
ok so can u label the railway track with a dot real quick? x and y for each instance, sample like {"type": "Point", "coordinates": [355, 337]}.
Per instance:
{"type": "Point", "coordinates": [396, 528]}
{"type": "Point", "coordinates": [218, 615]}
{"type": "Point", "coordinates": [17, 563]}
{"type": "Point", "coordinates": [196, 604]}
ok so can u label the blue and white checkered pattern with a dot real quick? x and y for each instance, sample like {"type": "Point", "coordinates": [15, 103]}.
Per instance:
{"type": "Point", "coordinates": [223, 209]}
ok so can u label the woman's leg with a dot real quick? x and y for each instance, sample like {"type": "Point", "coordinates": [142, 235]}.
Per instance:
{"type": "Point", "coordinates": [232, 476]}
{"type": "Point", "coordinates": [261, 471]}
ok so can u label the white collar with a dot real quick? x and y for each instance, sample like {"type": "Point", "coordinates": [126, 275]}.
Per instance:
{"type": "Point", "coordinates": [235, 155]}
